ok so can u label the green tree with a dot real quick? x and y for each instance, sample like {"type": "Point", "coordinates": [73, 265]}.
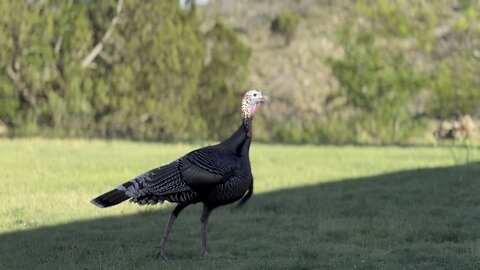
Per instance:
{"type": "Point", "coordinates": [446, 35]}
{"type": "Point", "coordinates": [222, 80]}
{"type": "Point", "coordinates": [394, 50]}
{"type": "Point", "coordinates": [127, 69]}
{"type": "Point", "coordinates": [455, 82]}
{"type": "Point", "coordinates": [377, 83]}
{"type": "Point", "coordinates": [156, 60]}
{"type": "Point", "coordinates": [40, 40]}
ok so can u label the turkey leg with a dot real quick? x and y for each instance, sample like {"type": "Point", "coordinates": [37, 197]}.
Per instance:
{"type": "Point", "coordinates": [203, 228]}
{"type": "Point", "coordinates": [171, 220]}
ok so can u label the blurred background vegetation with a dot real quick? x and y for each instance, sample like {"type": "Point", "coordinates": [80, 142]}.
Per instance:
{"type": "Point", "coordinates": [371, 71]}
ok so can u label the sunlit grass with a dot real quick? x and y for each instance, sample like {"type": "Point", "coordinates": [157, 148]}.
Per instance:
{"type": "Point", "coordinates": [47, 182]}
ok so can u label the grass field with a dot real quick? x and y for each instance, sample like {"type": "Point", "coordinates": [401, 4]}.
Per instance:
{"type": "Point", "coordinates": [314, 207]}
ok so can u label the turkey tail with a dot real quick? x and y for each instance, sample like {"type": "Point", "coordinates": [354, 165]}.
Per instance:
{"type": "Point", "coordinates": [113, 197]}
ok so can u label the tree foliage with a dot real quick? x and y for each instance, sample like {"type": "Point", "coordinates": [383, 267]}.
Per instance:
{"type": "Point", "coordinates": [143, 84]}
{"type": "Point", "coordinates": [222, 80]}
{"type": "Point", "coordinates": [397, 51]}
{"type": "Point", "coordinates": [376, 84]}
{"type": "Point", "coordinates": [145, 70]}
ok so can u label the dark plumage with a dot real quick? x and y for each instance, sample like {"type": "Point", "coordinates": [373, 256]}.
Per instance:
{"type": "Point", "coordinates": [214, 175]}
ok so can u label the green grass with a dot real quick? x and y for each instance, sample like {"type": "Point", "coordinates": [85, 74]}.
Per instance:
{"type": "Point", "coordinates": [314, 207]}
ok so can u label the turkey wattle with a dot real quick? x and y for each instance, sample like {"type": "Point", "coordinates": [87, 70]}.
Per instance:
{"type": "Point", "coordinates": [213, 175]}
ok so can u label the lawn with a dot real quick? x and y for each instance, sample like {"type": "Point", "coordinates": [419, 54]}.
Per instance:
{"type": "Point", "coordinates": [314, 207]}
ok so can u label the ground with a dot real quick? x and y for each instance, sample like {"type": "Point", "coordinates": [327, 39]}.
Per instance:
{"type": "Point", "coordinates": [323, 207]}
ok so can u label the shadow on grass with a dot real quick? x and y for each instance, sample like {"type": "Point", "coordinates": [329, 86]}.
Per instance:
{"type": "Point", "coordinates": [418, 219]}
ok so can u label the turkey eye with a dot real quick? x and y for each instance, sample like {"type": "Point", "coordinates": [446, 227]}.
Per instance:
{"type": "Point", "coordinates": [254, 95]}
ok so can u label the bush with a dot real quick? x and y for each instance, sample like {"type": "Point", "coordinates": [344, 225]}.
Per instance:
{"type": "Point", "coordinates": [393, 54]}
{"type": "Point", "coordinates": [455, 85]}
{"type": "Point", "coordinates": [286, 25]}
{"type": "Point", "coordinates": [376, 84]}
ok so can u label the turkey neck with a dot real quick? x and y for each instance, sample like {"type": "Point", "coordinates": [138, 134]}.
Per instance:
{"type": "Point", "coordinates": [239, 142]}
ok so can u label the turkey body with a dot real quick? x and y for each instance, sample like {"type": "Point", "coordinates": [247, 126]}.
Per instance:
{"type": "Point", "coordinates": [214, 175]}
{"type": "Point", "coordinates": [224, 183]}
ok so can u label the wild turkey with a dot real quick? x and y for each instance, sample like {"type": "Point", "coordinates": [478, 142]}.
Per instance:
{"type": "Point", "coordinates": [214, 175]}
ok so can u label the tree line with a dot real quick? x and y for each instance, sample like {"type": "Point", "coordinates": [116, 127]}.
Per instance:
{"type": "Point", "coordinates": [145, 70]}
{"type": "Point", "coordinates": [123, 69]}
